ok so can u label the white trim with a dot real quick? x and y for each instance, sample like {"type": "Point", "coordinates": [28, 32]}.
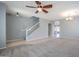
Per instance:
{"type": "Point", "coordinates": [69, 38]}
{"type": "Point", "coordinates": [36, 41]}
{"type": "Point", "coordinates": [3, 48]}
{"type": "Point", "coordinates": [13, 40]}
{"type": "Point", "coordinates": [36, 38]}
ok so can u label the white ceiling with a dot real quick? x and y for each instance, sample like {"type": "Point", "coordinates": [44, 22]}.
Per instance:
{"type": "Point", "coordinates": [59, 7]}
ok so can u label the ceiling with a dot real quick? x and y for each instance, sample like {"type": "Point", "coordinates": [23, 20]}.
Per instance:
{"type": "Point", "coordinates": [57, 12]}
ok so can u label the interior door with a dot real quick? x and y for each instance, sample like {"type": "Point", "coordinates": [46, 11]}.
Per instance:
{"type": "Point", "coordinates": [49, 29]}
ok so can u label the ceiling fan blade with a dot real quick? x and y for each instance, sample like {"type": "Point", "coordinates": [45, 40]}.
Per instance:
{"type": "Point", "coordinates": [38, 2]}
{"type": "Point", "coordinates": [37, 11]}
{"type": "Point", "coordinates": [48, 6]}
{"type": "Point", "coordinates": [44, 10]}
{"type": "Point", "coordinates": [31, 6]}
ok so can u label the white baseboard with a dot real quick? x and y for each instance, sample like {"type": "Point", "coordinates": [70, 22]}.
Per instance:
{"type": "Point", "coordinates": [36, 39]}
{"type": "Point", "coordinates": [3, 48]}
{"type": "Point", "coordinates": [13, 40]}
{"type": "Point", "coordinates": [76, 38]}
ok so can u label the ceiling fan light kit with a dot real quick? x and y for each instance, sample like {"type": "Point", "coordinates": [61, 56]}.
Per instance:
{"type": "Point", "coordinates": [39, 9]}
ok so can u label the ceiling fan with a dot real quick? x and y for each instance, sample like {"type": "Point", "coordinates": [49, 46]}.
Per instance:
{"type": "Point", "coordinates": [41, 7]}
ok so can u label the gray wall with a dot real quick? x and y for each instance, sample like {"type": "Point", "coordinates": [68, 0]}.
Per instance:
{"type": "Point", "coordinates": [70, 29]}
{"type": "Point", "coordinates": [2, 25]}
{"type": "Point", "coordinates": [16, 26]}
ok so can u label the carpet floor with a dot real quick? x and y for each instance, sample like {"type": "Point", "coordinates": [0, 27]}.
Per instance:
{"type": "Point", "coordinates": [48, 48]}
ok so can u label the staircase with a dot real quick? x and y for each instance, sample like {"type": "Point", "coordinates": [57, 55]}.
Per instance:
{"type": "Point", "coordinates": [37, 31]}
{"type": "Point", "coordinates": [30, 30]}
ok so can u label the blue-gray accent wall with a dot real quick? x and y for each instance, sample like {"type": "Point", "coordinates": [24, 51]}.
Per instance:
{"type": "Point", "coordinates": [2, 25]}
{"type": "Point", "coordinates": [16, 26]}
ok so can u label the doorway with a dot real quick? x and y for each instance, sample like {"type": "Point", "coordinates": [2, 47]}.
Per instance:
{"type": "Point", "coordinates": [54, 29]}
{"type": "Point", "coordinates": [49, 29]}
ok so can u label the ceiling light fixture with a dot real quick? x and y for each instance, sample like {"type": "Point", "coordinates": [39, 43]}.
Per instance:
{"type": "Point", "coordinates": [69, 18]}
